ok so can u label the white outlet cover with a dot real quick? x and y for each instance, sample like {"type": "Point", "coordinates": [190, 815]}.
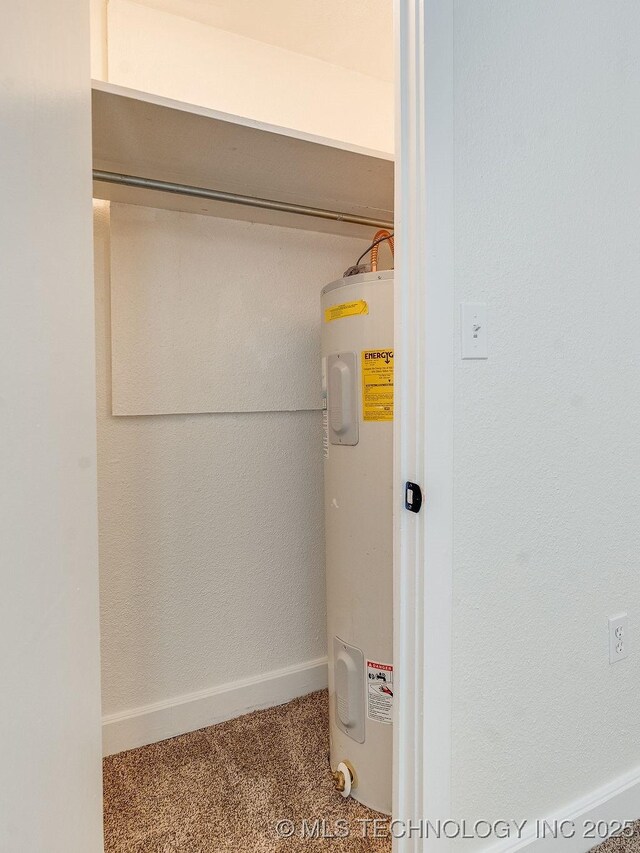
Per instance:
{"type": "Point", "coordinates": [618, 637]}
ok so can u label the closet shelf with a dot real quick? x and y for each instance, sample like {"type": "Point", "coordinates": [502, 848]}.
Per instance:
{"type": "Point", "coordinates": [164, 153]}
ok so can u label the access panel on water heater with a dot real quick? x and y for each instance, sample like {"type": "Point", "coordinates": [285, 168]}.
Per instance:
{"type": "Point", "coordinates": [348, 662]}
{"type": "Point", "coordinates": [342, 397]}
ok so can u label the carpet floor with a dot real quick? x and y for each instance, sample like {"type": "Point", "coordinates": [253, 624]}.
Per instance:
{"type": "Point", "coordinates": [224, 788]}
{"type": "Point", "coordinates": [622, 844]}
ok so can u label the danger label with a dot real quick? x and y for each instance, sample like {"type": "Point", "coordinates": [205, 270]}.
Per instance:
{"type": "Point", "coordinates": [377, 385]}
{"type": "Point", "coordinates": [379, 692]}
{"type": "Point", "coordinates": [345, 309]}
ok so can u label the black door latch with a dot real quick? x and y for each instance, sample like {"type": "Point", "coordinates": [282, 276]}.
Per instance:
{"type": "Point", "coordinates": [412, 497]}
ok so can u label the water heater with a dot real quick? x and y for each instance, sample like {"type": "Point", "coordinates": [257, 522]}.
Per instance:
{"type": "Point", "coordinates": [357, 382]}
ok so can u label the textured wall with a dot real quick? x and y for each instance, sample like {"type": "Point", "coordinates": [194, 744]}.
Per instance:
{"type": "Point", "coordinates": [547, 445]}
{"type": "Point", "coordinates": [215, 315]}
{"type": "Point", "coordinates": [211, 525]}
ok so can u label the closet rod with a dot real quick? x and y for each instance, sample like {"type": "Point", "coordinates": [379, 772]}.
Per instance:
{"type": "Point", "coordinates": [235, 198]}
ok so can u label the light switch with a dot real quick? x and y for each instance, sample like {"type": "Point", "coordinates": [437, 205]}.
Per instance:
{"type": "Point", "coordinates": [473, 327]}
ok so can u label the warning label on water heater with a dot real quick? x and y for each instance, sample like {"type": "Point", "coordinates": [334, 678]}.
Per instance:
{"type": "Point", "coordinates": [377, 385]}
{"type": "Point", "coordinates": [345, 309]}
{"type": "Point", "coordinates": [379, 692]}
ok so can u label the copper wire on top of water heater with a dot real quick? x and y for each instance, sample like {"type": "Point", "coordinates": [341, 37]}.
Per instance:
{"type": "Point", "coordinates": [382, 236]}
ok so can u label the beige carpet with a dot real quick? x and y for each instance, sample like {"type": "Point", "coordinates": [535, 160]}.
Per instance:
{"type": "Point", "coordinates": [224, 788]}
{"type": "Point", "coordinates": [622, 844]}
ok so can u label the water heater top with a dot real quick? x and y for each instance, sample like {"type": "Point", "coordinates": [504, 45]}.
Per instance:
{"type": "Point", "coordinates": [361, 278]}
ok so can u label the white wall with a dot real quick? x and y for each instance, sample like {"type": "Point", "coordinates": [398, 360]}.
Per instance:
{"type": "Point", "coordinates": [98, 34]}
{"type": "Point", "coordinates": [356, 35]}
{"type": "Point", "coordinates": [211, 525]}
{"type": "Point", "coordinates": [216, 315]}
{"type": "Point", "coordinates": [547, 448]}
{"type": "Point", "coordinates": [243, 76]}
{"type": "Point", "coordinates": [50, 782]}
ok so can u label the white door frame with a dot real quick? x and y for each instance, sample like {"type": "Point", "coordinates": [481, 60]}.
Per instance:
{"type": "Point", "coordinates": [424, 311]}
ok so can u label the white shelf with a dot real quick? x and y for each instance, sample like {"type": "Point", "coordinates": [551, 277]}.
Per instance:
{"type": "Point", "coordinates": [148, 136]}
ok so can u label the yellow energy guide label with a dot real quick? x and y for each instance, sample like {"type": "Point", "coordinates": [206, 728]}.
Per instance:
{"type": "Point", "coordinates": [345, 309]}
{"type": "Point", "coordinates": [377, 384]}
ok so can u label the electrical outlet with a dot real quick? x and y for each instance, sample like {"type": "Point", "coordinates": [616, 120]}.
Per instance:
{"type": "Point", "coordinates": [618, 637]}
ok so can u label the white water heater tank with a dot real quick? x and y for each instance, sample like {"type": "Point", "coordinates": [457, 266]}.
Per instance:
{"type": "Point", "coordinates": [357, 373]}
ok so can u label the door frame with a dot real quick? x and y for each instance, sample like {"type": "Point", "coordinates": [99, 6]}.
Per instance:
{"type": "Point", "coordinates": [423, 444]}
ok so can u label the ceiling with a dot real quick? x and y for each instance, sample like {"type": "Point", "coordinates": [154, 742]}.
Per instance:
{"type": "Point", "coordinates": [355, 34]}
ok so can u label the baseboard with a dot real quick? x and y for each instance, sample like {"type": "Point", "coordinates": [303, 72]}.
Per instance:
{"type": "Point", "coordinates": [618, 801]}
{"type": "Point", "coordinates": [151, 723]}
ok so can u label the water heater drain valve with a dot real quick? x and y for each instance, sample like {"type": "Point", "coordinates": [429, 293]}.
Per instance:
{"type": "Point", "coordinates": [344, 779]}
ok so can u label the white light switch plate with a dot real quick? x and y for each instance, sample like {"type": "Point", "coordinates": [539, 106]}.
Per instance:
{"type": "Point", "coordinates": [473, 327]}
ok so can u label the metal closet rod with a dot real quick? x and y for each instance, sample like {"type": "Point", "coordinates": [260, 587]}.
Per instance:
{"type": "Point", "coordinates": [235, 198]}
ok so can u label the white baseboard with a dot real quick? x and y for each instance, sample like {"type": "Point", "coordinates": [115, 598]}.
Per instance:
{"type": "Point", "coordinates": [619, 800]}
{"type": "Point", "coordinates": [151, 723]}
